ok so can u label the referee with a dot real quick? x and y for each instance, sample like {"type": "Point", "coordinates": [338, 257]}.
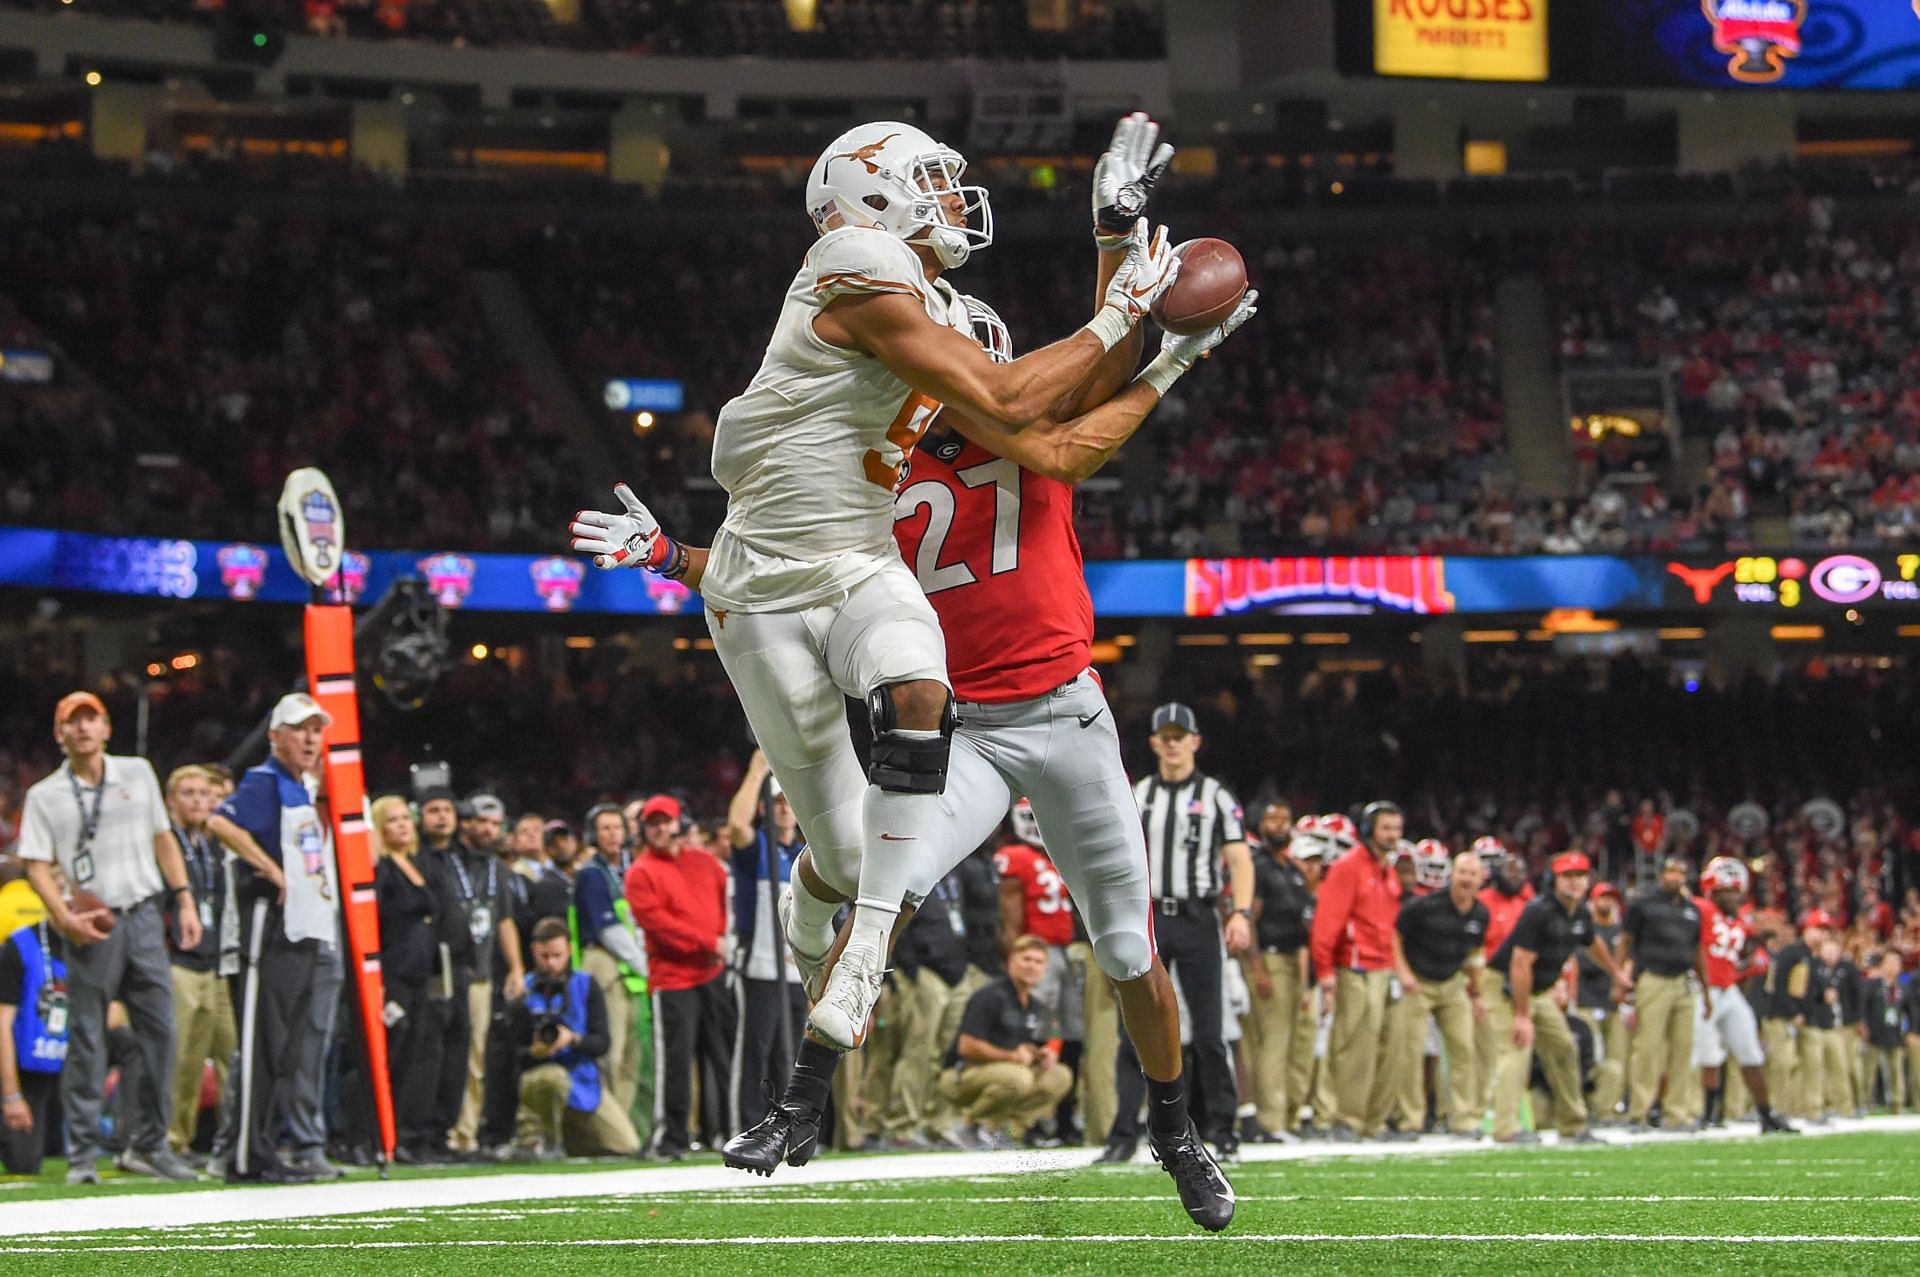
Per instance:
{"type": "Point", "coordinates": [1194, 845]}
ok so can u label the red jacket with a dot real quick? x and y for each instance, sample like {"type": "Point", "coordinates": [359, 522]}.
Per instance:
{"type": "Point", "coordinates": [680, 905]}
{"type": "Point", "coordinates": [1354, 913]}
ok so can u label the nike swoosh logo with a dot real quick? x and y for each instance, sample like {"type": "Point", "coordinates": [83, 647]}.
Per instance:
{"type": "Point", "coordinates": [1086, 720]}
{"type": "Point", "coordinates": [897, 838]}
{"type": "Point", "coordinates": [1142, 292]}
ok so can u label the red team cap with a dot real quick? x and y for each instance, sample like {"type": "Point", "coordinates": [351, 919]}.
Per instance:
{"type": "Point", "coordinates": [1816, 918]}
{"type": "Point", "coordinates": [660, 805]}
{"type": "Point", "coordinates": [1606, 889]}
{"type": "Point", "coordinates": [1571, 862]}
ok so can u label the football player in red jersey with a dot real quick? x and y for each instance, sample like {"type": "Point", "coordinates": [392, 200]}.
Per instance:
{"type": "Point", "coordinates": [997, 537]}
{"type": "Point", "coordinates": [1726, 1020]}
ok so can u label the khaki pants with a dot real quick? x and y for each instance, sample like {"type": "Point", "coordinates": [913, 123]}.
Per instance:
{"type": "Point", "coordinates": [1446, 1002]}
{"type": "Point", "coordinates": [1736, 1101]}
{"type": "Point", "coordinates": [920, 1002]}
{"type": "Point", "coordinates": [944, 1114]}
{"type": "Point", "coordinates": [620, 1066]}
{"type": "Point", "coordinates": [1913, 1068]}
{"type": "Point", "coordinates": [1783, 1064]}
{"type": "Point", "coordinates": [1887, 1062]}
{"type": "Point", "coordinates": [1662, 1045]}
{"type": "Point", "coordinates": [1832, 1093]}
{"type": "Point", "coordinates": [479, 1020]}
{"type": "Point", "coordinates": [880, 1051]}
{"type": "Point", "coordinates": [1004, 1093]}
{"type": "Point", "coordinates": [1811, 1093]}
{"type": "Point", "coordinates": [1355, 1049]}
{"type": "Point", "coordinates": [1268, 1031]}
{"type": "Point", "coordinates": [1610, 1075]}
{"type": "Point", "coordinates": [1857, 1053]}
{"type": "Point", "coordinates": [1100, 1008]}
{"type": "Point", "coordinates": [203, 1030]}
{"type": "Point", "coordinates": [605, 1132]}
{"type": "Point", "coordinates": [1559, 1059]}
{"type": "Point", "coordinates": [849, 1131]}
{"type": "Point", "coordinates": [1301, 1075]}
{"type": "Point", "coordinates": [1398, 1092]}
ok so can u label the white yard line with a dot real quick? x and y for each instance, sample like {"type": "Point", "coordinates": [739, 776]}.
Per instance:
{"type": "Point", "coordinates": [964, 1239]}
{"type": "Point", "coordinates": [91, 1213]}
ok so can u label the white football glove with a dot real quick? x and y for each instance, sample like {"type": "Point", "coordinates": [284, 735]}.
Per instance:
{"type": "Point", "coordinates": [1149, 270]}
{"type": "Point", "coordinates": [1123, 178]}
{"type": "Point", "coordinates": [1179, 354]}
{"type": "Point", "coordinates": [617, 540]}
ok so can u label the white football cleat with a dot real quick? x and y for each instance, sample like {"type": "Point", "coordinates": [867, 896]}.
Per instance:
{"type": "Point", "coordinates": [813, 967]}
{"type": "Point", "coordinates": [841, 1015]}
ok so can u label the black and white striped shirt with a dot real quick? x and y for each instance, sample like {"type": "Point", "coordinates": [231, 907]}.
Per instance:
{"type": "Point", "coordinates": [1187, 823]}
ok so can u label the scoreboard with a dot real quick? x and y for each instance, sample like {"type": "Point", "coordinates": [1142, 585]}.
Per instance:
{"type": "Point", "coordinates": [1848, 580]}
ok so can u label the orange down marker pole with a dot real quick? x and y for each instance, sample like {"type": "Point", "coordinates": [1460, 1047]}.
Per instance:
{"type": "Point", "coordinates": [330, 678]}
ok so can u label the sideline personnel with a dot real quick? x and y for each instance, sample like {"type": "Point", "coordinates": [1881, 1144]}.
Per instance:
{"type": "Point", "coordinates": [1437, 946]}
{"type": "Point", "coordinates": [101, 819]}
{"type": "Point", "coordinates": [276, 822]}
{"type": "Point", "coordinates": [1549, 932]}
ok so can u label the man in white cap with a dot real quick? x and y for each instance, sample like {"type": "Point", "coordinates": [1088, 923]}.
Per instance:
{"type": "Point", "coordinates": [277, 823]}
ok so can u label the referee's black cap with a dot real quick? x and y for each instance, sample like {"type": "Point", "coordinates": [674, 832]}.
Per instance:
{"type": "Point", "coordinates": [1174, 714]}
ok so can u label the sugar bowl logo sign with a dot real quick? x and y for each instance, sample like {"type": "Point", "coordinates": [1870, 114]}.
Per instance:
{"type": "Point", "coordinates": [449, 577]}
{"type": "Point", "coordinates": [243, 570]}
{"type": "Point", "coordinates": [1760, 35]}
{"type": "Point", "coordinates": [557, 581]}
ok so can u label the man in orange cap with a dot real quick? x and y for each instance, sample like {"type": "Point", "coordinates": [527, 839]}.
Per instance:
{"type": "Point", "coordinates": [1550, 931]}
{"type": "Point", "coordinates": [102, 820]}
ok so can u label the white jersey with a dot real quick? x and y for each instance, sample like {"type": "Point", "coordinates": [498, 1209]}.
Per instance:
{"type": "Point", "coordinates": [811, 452]}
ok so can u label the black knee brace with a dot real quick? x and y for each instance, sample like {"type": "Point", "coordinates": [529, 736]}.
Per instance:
{"type": "Point", "coordinates": [907, 764]}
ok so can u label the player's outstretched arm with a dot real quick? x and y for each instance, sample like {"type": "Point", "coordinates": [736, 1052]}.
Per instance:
{"type": "Point", "coordinates": [949, 366]}
{"type": "Point", "coordinates": [634, 539]}
{"type": "Point", "coordinates": [1076, 449]}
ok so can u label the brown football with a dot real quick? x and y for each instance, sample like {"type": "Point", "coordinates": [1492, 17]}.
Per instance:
{"type": "Point", "coordinates": [85, 901]}
{"type": "Point", "coordinates": [1212, 281]}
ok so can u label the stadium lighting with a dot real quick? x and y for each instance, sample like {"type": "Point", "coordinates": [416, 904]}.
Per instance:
{"type": "Point", "coordinates": [479, 651]}
{"type": "Point", "coordinates": [185, 661]}
{"type": "Point", "coordinates": [93, 79]}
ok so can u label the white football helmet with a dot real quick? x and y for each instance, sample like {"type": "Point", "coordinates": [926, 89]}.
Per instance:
{"type": "Point", "coordinates": [1432, 865]}
{"type": "Point", "coordinates": [1724, 873]}
{"type": "Point", "coordinates": [990, 332]}
{"type": "Point", "coordinates": [891, 176]}
{"type": "Point", "coordinates": [1025, 827]}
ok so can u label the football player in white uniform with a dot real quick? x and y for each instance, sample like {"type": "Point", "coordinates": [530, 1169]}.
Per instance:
{"type": "Point", "coordinates": [999, 751]}
{"type": "Point", "coordinates": [806, 595]}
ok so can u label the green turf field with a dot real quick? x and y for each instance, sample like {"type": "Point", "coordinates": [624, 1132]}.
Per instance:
{"type": "Point", "coordinates": [1720, 1207]}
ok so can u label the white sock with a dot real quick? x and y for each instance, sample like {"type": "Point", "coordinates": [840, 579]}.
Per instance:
{"type": "Point", "coordinates": [900, 847]}
{"type": "Point", "coordinates": [813, 917]}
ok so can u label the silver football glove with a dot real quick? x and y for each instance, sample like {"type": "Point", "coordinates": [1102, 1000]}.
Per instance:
{"type": "Point", "coordinates": [1124, 176]}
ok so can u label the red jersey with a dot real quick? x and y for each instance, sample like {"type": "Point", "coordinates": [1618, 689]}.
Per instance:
{"type": "Point", "coordinates": [994, 548]}
{"type": "Point", "coordinates": [1049, 913]}
{"type": "Point", "coordinates": [1502, 912]}
{"type": "Point", "coordinates": [1724, 937]}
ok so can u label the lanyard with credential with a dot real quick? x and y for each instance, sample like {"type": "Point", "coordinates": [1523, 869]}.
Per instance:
{"type": "Point", "coordinates": [89, 826]}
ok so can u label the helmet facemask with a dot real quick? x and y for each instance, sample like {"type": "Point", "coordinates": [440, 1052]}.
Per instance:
{"type": "Point", "coordinates": [930, 178]}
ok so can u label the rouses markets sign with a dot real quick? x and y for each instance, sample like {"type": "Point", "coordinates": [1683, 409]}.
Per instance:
{"type": "Point", "coordinates": [1461, 39]}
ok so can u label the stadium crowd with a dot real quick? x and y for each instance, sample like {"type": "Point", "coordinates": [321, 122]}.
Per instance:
{"type": "Point", "coordinates": [610, 983]}
{"type": "Point", "coordinates": [1791, 350]}
{"type": "Point", "coordinates": [1364, 413]}
{"type": "Point", "coordinates": [690, 28]}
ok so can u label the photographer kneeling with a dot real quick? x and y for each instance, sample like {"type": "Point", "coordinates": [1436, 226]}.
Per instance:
{"type": "Point", "coordinates": [561, 1030]}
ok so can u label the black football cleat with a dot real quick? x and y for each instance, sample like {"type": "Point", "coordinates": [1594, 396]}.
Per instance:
{"type": "Point", "coordinates": [783, 1135]}
{"type": "Point", "coordinates": [1771, 1123]}
{"type": "Point", "coordinates": [1204, 1189]}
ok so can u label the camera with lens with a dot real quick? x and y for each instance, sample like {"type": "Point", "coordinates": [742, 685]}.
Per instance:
{"type": "Point", "coordinates": [547, 1024]}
